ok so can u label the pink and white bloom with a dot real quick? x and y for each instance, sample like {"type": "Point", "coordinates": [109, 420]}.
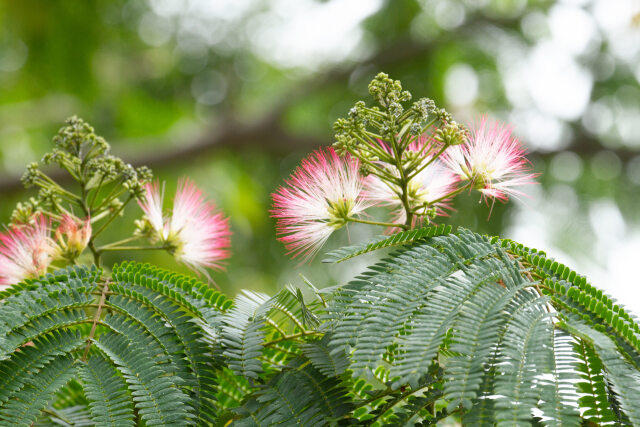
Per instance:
{"type": "Point", "coordinates": [427, 190]}
{"type": "Point", "coordinates": [195, 233]}
{"type": "Point", "coordinates": [318, 198]}
{"type": "Point", "coordinates": [202, 231]}
{"type": "Point", "coordinates": [152, 208]}
{"type": "Point", "coordinates": [26, 251]}
{"type": "Point", "coordinates": [493, 160]}
{"type": "Point", "coordinates": [72, 235]}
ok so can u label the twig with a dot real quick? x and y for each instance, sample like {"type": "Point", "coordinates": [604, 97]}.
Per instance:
{"type": "Point", "coordinates": [96, 318]}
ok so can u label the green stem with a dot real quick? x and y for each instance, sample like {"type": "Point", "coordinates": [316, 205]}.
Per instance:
{"type": "Point", "coordinates": [376, 124]}
{"type": "Point", "coordinates": [374, 148]}
{"type": "Point", "coordinates": [96, 319]}
{"type": "Point", "coordinates": [115, 192]}
{"type": "Point", "coordinates": [426, 165]}
{"type": "Point", "coordinates": [112, 217]}
{"type": "Point", "coordinates": [130, 248]}
{"type": "Point", "coordinates": [380, 223]}
{"type": "Point", "coordinates": [98, 217]}
{"type": "Point", "coordinates": [378, 171]}
{"type": "Point", "coordinates": [87, 212]}
{"type": "Point", "coordinates": [422, 132]}
{"type": "Point", "coordinates": [71, 171]}
{"type": "Point", "coordinates": [451, 194]}
{"type": "Point", "coordinates": [374, 112]}
{"type": "Point", "coordinates": [57, 415]}
{"type": "Point", "coordinates": [96, 191]}
{"type": "Point", "coordinates": [386, 393]}
{"type": "Point", "coordinates": [401, 134]}
{"type": "Point", "coordinates": [404, 183]}
{"type": "Point", "coordinates": [397, 401]}
{"type": "Point", "coordinates": [121, 242]}
{"type": "Point", "coordinates": [68, 196]}
{"type": "Point", "coordinates": [292, 337]}
{"type": "Point", "coordinates": [52, 215]}
{"type": "Point", "coordinates": [372, 136]}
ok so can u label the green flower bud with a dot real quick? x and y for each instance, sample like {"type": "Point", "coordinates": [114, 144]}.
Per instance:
{"type": "Point", "coordinates": [423, 108]}
{"type": "Point", "coordinates": [30, 175]}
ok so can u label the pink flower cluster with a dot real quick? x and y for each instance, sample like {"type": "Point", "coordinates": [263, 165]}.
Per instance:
{"type": "Point", "coordinates": [429, 188]}
{"type": "Point", "coordinates": [27, 250]}
{"type": "Point", "coordinates": [73, 236]}
{"type": "Point", "coordinates": [195, 232]}
{"type": "Point", "coordinates": [327, 191]}
{"type": "Point", "coordinates": [493, 159]}
{"type": "Point", "coordinates": [317, 200]}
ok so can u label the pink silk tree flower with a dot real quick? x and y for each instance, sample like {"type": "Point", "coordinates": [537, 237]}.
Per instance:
{"type": "Point", "coordinates": [427, 189]}
{"type": "Point", "coordinates": [26, 251]}
{"type": "Point", "coordinates": [72, 235]}
{"type": "Point", "coordinates": [202, 233]}
{"type": "Point", "coordinates": [152, 208]}
{"type": "Point", "coordinates": [196, 234]}
{"type": "Point", "coordinates": [318, 198]}
{"type": "Point", "coordinates": [493, 160]}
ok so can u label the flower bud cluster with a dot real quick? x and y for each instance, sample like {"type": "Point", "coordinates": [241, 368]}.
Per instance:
{"type": "Point", "coordinates": [85, 157]}
{"type": "Point", "coordinates": [451, 133]}
{"type": "Point", "coordinates": [78, 140]}
{"type": "Point", "coordinates": [388, 93]}
{"type": "Point", "coordinates": [61, 222]}
{"type": "Point", "coordinates": [107, 183]}
{"type": "Point", "coordinates": [412, 159]}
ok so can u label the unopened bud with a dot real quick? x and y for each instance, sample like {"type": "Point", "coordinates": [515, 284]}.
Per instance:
{"type": "Point", "coordinates": [30, 175]}
{"type": "Point", "coordinates": [73, 236]}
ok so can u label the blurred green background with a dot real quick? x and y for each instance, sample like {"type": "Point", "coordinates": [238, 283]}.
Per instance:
{"type": "Point", "coordinates": [235, 92]}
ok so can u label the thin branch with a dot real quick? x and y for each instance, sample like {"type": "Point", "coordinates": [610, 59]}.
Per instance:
{"type": "Point", "coordinates": [292, 337]}
{"type": "Point", "coordinates": [380, 223]}
{"type": "Point", "coordinates": [105, 287]}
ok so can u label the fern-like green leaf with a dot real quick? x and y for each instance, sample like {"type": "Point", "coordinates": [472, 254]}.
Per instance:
{"type": "Point", "coordinates": [242, 333]}
{"type": "Point", "coordinates": [110, 404]}
{"type": "Point", "coordinates": [23, 410]}
{"type": "Point", "coordinates": [188, 311]}
{"type": "Point", "coordinates": [488, 313]}
{"type": "Point", "coordinates": [16, 371]}
{"type": "Point", "coordinates": [157, 399]}
{"type": "Point", "coordinates": [559, 407]}
{"type": "Point", "coordinates": [73, 416]}
{"type": "Point", "coordinates": [300, 396]}
{"type": "Point", "coordinates": [321, 357]}
{"type": "Point", "coordinates": [231, 389]}
{"type": "Point", "coordinates": [382, 242]}
{"type": "Point", "coordinates": [623, 377]}
{"type": "Point", "coordinates": [477, 327]}
{"type": "Point", "coordinates": [524, 356]}
{"type": "Point", "coordinates": [571, 292]}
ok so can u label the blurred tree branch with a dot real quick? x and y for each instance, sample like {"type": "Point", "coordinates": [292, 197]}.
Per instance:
{"type": "Point", "coordinates": [269, 134]}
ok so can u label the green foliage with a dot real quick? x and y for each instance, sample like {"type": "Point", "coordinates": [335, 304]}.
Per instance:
{"type": "Point", "coordinates": [24, 407]}
{"type": "Point", "coordinates": [130, 340]}
{"type": "Point", "coordinates": [85, 157]}
{"type": "Point", "coordinates": [299, 395]}
{"type": "Point", "coordinates": [243, 334]}
{"type": "Point", "coordinates": [383, 242]}
{"type": "Point", "coordinates": [500, 325]}
{"type": "Point", "coordinates": [107, 392]}
{"type": "Point", "coordinates": [451, 325]}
